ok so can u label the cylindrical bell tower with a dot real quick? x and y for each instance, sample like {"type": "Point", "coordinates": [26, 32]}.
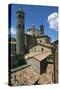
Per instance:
{"type": "Point", "coordinates": [20, 33]}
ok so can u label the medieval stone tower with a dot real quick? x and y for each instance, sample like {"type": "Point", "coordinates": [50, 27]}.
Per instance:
{"type": "Point", "coordinates": [20, 33]}
{"type": "Point", "coordinates": [41, 29]}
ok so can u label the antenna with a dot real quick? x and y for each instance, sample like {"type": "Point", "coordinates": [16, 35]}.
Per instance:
{"type": "Point", "coordinates": [41, 20]}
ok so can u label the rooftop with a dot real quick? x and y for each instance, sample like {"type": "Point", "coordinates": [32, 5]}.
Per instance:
{"type": "Point", "coordinates": [38, 55]}
{"type": "Point", "coordinates": [42, 56]}
{"type": "Point", "coordinates": [42, 36]}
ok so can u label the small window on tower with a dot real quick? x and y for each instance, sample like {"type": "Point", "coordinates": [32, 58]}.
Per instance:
{"type": "Point", "coordinates": [19, 16]}
{"type": "Point", "coordinates": [40, 41]}
{"type": "Point", "coordinates": [18, 26]}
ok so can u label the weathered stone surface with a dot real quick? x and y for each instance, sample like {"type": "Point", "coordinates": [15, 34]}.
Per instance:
{"type": "Point", "coordinates": [47, 78]}
{"type": "Point", "coordinates": [26, 76]}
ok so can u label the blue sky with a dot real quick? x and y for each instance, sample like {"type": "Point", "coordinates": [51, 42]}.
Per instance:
{"type": "Point", "coordinates": [37, 15]}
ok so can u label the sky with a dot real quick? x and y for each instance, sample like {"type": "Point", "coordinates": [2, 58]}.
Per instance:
{"type": "Point", "coordinates": [47, 15]}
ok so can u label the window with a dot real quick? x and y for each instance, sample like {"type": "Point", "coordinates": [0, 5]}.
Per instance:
{"type": "Point", "coordinates": [40, 41]}
{"type": "Point", "coordinates": [42, 49]}
{"type": "Point", "coordinates": [19, 16]}
{"type": "Point", "coordinates": [18, 26]}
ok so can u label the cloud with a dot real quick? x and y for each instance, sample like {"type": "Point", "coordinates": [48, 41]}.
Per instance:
{"type": "Point", "coordinates": [12, 32]}
{"type": "Point", "coordinates": [53, 21]}
{"type": "Point", "coordinates": [29, 33]}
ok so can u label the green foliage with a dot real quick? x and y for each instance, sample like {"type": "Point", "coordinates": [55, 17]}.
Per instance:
{"type": "Point", "coordinates": [17, 60]}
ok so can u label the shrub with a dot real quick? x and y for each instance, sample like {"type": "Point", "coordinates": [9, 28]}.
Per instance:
{"type": "Point", "coordinates": [17, 60]}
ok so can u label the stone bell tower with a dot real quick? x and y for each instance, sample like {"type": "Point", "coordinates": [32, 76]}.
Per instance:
{"type": "Point", "coordinates": [20, 50]}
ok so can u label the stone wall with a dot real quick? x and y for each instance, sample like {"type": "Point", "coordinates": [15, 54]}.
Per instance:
{"type": "Point", "coordinates": [43, 40]}
{"type": "Point", "coordinates": [44, 69]}
{"type": "Point", "coordinates": [35, 64]}
{"type": "Point", "coordinates": [40, 48]}
{"type": "Point", "coordinates": [56, 65]}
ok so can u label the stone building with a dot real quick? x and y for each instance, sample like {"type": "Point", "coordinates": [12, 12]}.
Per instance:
{"type": "Point", "coordinates": [34, 46]}
{"type": "Point", "coordinates": [55, 57]}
